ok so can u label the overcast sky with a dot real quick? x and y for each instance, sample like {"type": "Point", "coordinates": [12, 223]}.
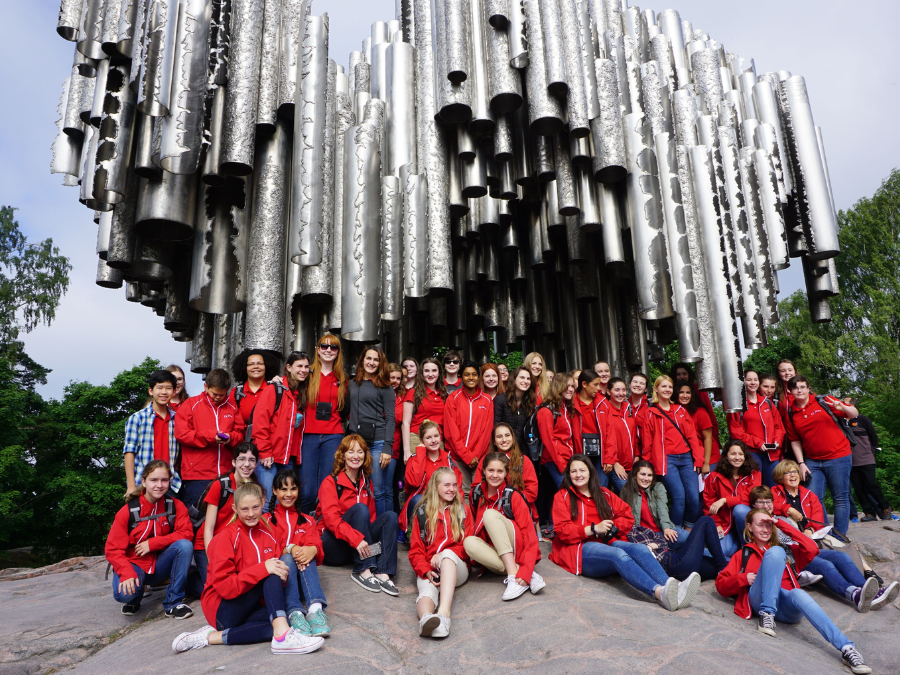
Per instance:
{"type": "Point", "coordinates": [848, 54]}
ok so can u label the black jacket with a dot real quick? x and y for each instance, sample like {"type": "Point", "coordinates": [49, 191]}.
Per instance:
{"type": "Point", "coordinates": [516, 420]}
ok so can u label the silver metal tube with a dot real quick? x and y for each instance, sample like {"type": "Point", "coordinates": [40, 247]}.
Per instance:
{"type": "Point", "coordinates": [482, 115]}
{"type": "Point", "coordinates": [295, 14]}
{"type": "Point", "coordinates": [565, 180]}
{"type": "Point", "coordinates": [155, 84]}
{"type": "Point", "coordinates": [518, 40]}
{"type": "Point", "coordinates": [129, 28]}
{"type": "Point", "coordinates": [401, 109]}
{"type": "Point", "coordinates": [545, 111]}
{"type": "Point", "coordinates": [167, 206]}
{"type": "Point", "coordinates": [69, 23]}
{"type": "Point", "coordinates": [458, 56]}
{"type": "Point", "coordinates": [554, 54]}
{"type": "Point", "coordinates": [108, 277]}
{"type": "Point", "coordinates": [89, 36]}
{"type": "Point", "coordinates": [504, 82]}
{"type": "Point", "coordinates": [202, 344]}
{"type": "Point", "coordinates": [770, 207]}
{"type": "Point", "coordinates": [212, 158]}
{"type": "Point", "coordinates": [607, 129]}
{"type": "Point", "coordinates": [122, 232]}
{"type": "Point", "coordinates": [114, 138]}
{"type": "Point", "coordinates": [392, 272]}
{"type": "Point", "coordinates": [576, 65]}
{"type": "Point", "coordinates": [267, 107]}
{"type": "Point", "coordinates": [759, 240]}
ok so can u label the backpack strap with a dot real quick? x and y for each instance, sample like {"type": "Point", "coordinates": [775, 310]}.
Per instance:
{"type": "Point", "coordinates": [239, 394]}
{"type": "Point", "coordinates": [506, 502]}
{"type": "Point", "coordinates": [477, 494]}
{"type": "Point", "coordinates": [337, 486]}
{"type": "Point", "coordinates": [845, 429]}
{"type": "Point", "coordinates": [420, 519]}
{"type": "Point", "coordinates": [746, 552]}
{"type": "Point", "coordinates": [134, 512]}
{"type": "Point", "coordinates": [279, 392]}
{"type": "Point", "coordinates": [227, 491]}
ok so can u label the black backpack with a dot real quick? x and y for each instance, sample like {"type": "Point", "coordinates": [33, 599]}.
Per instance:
{"type": "Point", "coordinates": [197, 512]}
{"type": "Point", "coordinates": [420, 519]}
{"type": "Point", "coordinates": [134, 518]}
{"type": "Point", "coordinates": [340, 488]}
{"type": "Point", "coordinates": [505, 500]}
{"type": "Point", "coordinates": [532, 435]}
{"type": "Point", "coordinates": [239, 394]}
{"type": "Point", "coordinates": [841, 422]}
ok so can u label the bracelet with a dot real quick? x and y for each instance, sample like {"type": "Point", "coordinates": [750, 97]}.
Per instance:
{"type": "Point", "coordinates": [799, 463]}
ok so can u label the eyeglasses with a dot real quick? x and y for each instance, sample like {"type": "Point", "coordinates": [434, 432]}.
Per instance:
{"type": "Point", "coordinates": [764, 502]}
{"type": "Point", "coordinates": [792, 472]}
{"type": "Point", "coordinates": [451, 361]}
{"type": "Point", "coordinates": [245, 460]}
{"type": "Point", "coordinates": [330, 348]}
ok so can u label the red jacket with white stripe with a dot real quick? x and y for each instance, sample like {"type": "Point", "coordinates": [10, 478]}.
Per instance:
{"type": "Point", "coordinates": [560, 436]}
{"type": "Point", "coordinates": [718, 486]}
{"type": "Point", "coordinates": [761, 423]}
{"type": "Point", "coordinates": [596, 418]}
{"type": "Point", "coordinates": [570, 536]}
{"type": "Point", "coordinates": [731, 581]}
{"type": "Point", "coordinates": [468, 421]}
{"type": "Point", "coordinates": [421, 552]}
{"type": "Point", "coordinates": [237, 563]}
{"type": "Point", "coordinates": [120, 542]}
{"type": "Point", "coordinates": [196, 425]}
{"type": "Point", "coordinates": [331, 508]}
{"type": "Point", "coordinates": [809, 502]}
{"type": "Point", "coordinates": [624, 424]}
{"type": "Point", "coordinates": [660, 437]}
{"type": "Point", "coordinates": [293, 527]}
{"type": "Point", "coordinates": [529, 478]}
{"type": "Point", "coordinates": [527, 552]}
{"type": "Point", "coordinates": [419, 470]}
{"type": "Point", "coordinates": [273, 430]}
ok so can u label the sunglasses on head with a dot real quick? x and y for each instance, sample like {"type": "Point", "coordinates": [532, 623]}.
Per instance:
{"type": "Point", "coordinates": [302, 355]}
{"type": "Point", "coordinates": [325, 347]}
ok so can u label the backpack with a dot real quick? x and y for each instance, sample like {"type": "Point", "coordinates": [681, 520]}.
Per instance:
{"type": "Point", "coordinates": [746, 552]}
{"type": "Point", "coordinates": [197, 512]}
{"type": "Point", "coordinates": [420, 519]}
{"type": "Point", "coordinates": [239, 394]}
{"type": "Point", "coordinates": [134, 518]}
{"type": "Point", "coordinates": [533, 436]}
{"type": "Point", "coordinates": [505, 500]}
{"type": "Point", "coordinates": [340, 488]}
{"type": "Point", "coordinates": [841, 422]}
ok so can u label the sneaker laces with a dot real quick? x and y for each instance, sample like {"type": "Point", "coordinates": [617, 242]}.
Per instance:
{"type": "Point", "coordinates": [853, 656]}
{"type": "Point", "coordinates": [767, 620]}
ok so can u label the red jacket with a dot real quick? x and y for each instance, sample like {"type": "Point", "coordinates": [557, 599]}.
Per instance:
{"type": "Point", "coordinates": [718, 486]}
{"type": "Point", "coordinates": [120, 542]}
{"type": "Point", "coordinates": [397, 450]}
{"type": "Point", "coordinates": [273, 430]}
{"type": "Point", "coordinates": [331, 508]}
{"type": "Point", "coordinates": [529, 477]}
{"type": "Point", "coordinates": [595, 418]}
{"type": "Point", "coordinates": [223, 515]}
{"type": "Point", "coordinates": [419, 470]}
{"type": "Point", "coordinates": [570, 536]}
{"type": "Point", "coordinates": [761, 423]}
{"type": "Point", "coordinates": [248, 399]}
{"type": "Point", "coordinates": [731, 581]}
{"type": "Point", "coordinates": [811, 506]}
{"type": "Point", "coordinates": [659, 437]}
{"type": "Point", "coordinates": [527, 552]}
{"type": "Point", "coordinates": [468, 422]}
{"type": "Point", "coordinates": [237, 563]}
{"type": "Point", "coordinates": [624, 424]}
{"type": "Point", "coordinates": [292, 527]}
{"type": "Point", "coordinates": [196, 425]}
{"type": "Point", "coordinates": [421, 552]}
{"type": "Point", "coordinates": [560, 436]}
{"type": "Point", "coordinates": [329, 388]}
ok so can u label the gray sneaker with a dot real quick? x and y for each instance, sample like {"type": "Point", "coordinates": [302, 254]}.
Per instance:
{"type": "Point", "coordinates": [369, 583]}
{"type": "Point", "coordinates": [854, 661]}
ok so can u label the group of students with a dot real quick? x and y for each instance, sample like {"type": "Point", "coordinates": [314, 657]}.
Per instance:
{"type": "Point", "coordinates": [621, 484]}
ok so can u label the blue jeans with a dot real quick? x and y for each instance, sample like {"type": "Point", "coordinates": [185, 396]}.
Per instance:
{"type": "Point", "coordinates": [689, 556]}
{"type": "Point", "coordinates": [266, 476]}
{"type": "Point", "coordinates": [766, 467]}
{"type": "Point", "coordinates": [192, 490]}
{"type": "Point", "coordinates": [243, 621]}
{"type": "Point", "coordinates": [316, 463]}
{"type": "Point", "coordinates": [381, 478]}
{"type": "Point", "coordinates": [598, 465]}
{"type": "Point", "coordinates": [738, 522]}
{"type": "Point", "coordinates": [633, 562]}
{"type": "Point", "coordinates": [618, 482]}
{"type": "Point", "coordinates": [554, 474]}
{"type": "Point", "coordinates": [172, 563]}
{"type": "Point", "coordinates": [683, 487]}
{"type": "Point", "coordinates": [410, 507]}
{"type": "Point", "coordinates": [836, 474]}
{"type": "Point", "coordinates": [301, 588]}
{"type": "Point", "coordinates": [767, 595]}
{"type": "Point", "coordinates": [197, 578]}
{"type": "Point", "coordinates": [383, 529]}
{"type": "Point", "coordinates": [838, 570]}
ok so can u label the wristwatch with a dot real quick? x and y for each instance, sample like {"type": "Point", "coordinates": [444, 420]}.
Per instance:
{"type": "Point", "coordinates": [594, 530]}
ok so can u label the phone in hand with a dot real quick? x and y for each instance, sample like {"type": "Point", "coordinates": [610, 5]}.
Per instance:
{"type": "Point", "coordinates": [770, 446]}
{"type": "Point", "coordinates": [223, 437]}
{"type": "Point", "coordinates": [375, 549]}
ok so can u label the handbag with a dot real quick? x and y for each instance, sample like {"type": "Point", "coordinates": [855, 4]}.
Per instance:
{"type": "Point", "coordinates": [590, 444]}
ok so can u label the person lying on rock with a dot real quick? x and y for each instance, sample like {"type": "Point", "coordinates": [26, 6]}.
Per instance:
{"type": "Point", "coordinates": [836, 568]}
{"type": "Point", "coordinates": [592, 525]}
{"type": "Point", "coordinates": [149, 542]}
{"type": "Point", "coordinates": [301, 546]}
{"type": "Point", "coordinates": [763, 576]}
{"type": "Point", "coordinates": [347, 520]}
{"type": "Point", "coordinates": [248, 588]}
{"type": "Point", "coordinates": [436, 551]}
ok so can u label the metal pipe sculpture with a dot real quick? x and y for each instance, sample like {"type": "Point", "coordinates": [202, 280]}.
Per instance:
{"type": "Point", "coordinates": [474, 171]}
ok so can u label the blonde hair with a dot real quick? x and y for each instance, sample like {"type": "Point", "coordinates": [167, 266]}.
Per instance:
{"type": "Point", "coordinates": [248, 489]}
{"type": "Point", "coordinates": [782, 468]}
{"type": "Point", "coordinates": [659, 380]}
{"type": "Point", "coordinates": [542, 382]}
{"type": "Point", "coordinates": [426, 426]}
{"type": "Point", "coordinates": [337, 368]}
{"type": "Point", "coordinates": [434, 505]}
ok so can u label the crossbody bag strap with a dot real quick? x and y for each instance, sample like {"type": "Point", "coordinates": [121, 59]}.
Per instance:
{"type": "Point", "coordinates": [686, 442]}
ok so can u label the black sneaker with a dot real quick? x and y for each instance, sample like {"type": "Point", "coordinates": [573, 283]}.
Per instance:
{"type": "Point", "coordinates": [131, 608]}
{"type": "Point", "coordinates": [872, 573]}
{"type": "Point", "coordinates": [180, 611]}
{"type": "Point", "coordinates": [766, 624]}
{"type": "Point", "coordinates": [854, 661]}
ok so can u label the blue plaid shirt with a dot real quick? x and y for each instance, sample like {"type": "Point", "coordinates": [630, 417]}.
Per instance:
{"type": "Point", "coordinates": [139, 441]}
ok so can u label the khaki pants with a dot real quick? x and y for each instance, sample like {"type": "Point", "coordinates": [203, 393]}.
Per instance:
{"type": "Point", "coordinates": [502, 533]}
{"type": "Point", "coordinates": [432, 592]}
{"type": "Point", "coordinates": [467, 475]}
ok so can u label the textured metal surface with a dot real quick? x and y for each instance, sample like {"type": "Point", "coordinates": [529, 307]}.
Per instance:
{"type": "Point", "coordinates": [69, 23]}
{"type": "Point", "coordinates": [607, 129]}
{"type": "Point", "coordinates": [518, 39]}
{"type": "Point", "coordinates": [155, 81]}
{"type": "Point", "coordinates": [120, 252]}
{"type": "Point", "coordinates": [503, 80]}
{"type": "Point", "coordinates": [293, 31]}
{"type": "Point", "coordinates": [458, 58]}
{"type": "Point", "coordinates": [554, 53]}
{"type": "Point", "coordinates": [89, 36]}
{"type": "Point", "coordinates": [400, 128]}
{"type": "Point", "coordinates": [114, 138]}
{"type": "Point", "coordinates": [270, 55]}
{"type": "Point", "coordinates": [212, 158]}
{"type": "Point", "coordinates": [392, 273]}
{"type": "Point", "coordinates": [166, 206]}
{"type": "Point", "coordinates": [545, 110]}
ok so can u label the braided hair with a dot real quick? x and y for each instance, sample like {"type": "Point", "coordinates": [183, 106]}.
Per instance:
{"type": "Point", "coordinates": [280, 482]}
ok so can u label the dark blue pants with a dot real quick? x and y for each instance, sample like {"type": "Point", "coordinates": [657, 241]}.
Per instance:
{"type": "Point", "coordinates": [383, 529]}
{"type": "Point", "coordinates": [316, 463]}
{"type": "Point", "coordinates": [689, 556]}
{"type": "Point", "coordinates": [242, 619]}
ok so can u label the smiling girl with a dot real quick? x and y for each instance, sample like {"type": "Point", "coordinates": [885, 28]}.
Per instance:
{"type": "Point", "coordinates": [423, 402]}
{"type": "Point", "coordinates": [428, 458]}
{"type": "Point", "coordinates": [468, 419]}
{"type": "Point", "coordinates": [592, 415]}
{"type": "Point", "coordinates": [726, 494]}
{"type": "Point", "coordinates": [624, 424]}
{"type": "Point", "coordinates": [760, 426]}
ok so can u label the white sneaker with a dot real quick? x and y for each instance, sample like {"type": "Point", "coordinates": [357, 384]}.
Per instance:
{"type": "Point", "coordinates": [668, 598]}
{"type": "Point", "coordinates": [513, 588]}
{"type": "Point", "coordinates": [428, 624]}
{"type": "Point", "coordinates": [443, 630]}
{"type": "Point", "coordinates": [807, 578]}
{"type": "Point", "coordinates": [197, 639]}
{"type": "Point", "coordinates": [537, 583]}
{"type": "Point", "coordinates": [687, 589]}
{"type": "Point", "coordinates": [296, 642]}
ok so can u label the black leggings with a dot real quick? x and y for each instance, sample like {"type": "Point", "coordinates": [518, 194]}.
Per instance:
{"type": "Point", "coordinates": [244, 621]}
{"type": "Point", "coordinates": [689, 556]}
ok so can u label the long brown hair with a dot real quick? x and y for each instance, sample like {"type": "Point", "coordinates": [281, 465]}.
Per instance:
{"type": "Point", "coordinates": [554, 398]}
{"type": "Point", "coordinates": [184, 396]}
{"type": "Point", "coordinates": [631, 487]}
{"type": "Point", "coordinates": [422, 388]}
{"type": "Point", "coordinates": [149, 468]}
{"type": "Point", "coordinates": [780, 385]}
{"type": "Point", "coordinates": [400, 391]}
{"type": "Point", "coordinates": [346, 444]}
{"type": "Point", "coordinates": [516, 475]}
{"type": "Point", "coordinates": [529, 398]}
{"type": "Point", "coordinates": [302, 391]}
{"type": "Point", "coordinates": [382, 377]}
{"type": "Point", "coordinates": [604, 510]}
{"type": "Point", "coordinates": [338, 369]}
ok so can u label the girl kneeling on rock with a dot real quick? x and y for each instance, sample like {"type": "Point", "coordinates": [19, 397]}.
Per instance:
{"type": "Point", "coordinates": [436, 551]}
{"type": "Point", "coordinates": [505, 540]}
{"type": "Point", "coordinates": [244, 570]}
{"type": "Point", "coordinates": [763, 576]}
{"type": "Point", "coordinates": [591, 527]}
{"type": "Point", "coordinates": [149, 542]}
{"type": "Point", "coordinates": [301, 546]}
{"type": "Point", "coordinates": [347, 521]}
